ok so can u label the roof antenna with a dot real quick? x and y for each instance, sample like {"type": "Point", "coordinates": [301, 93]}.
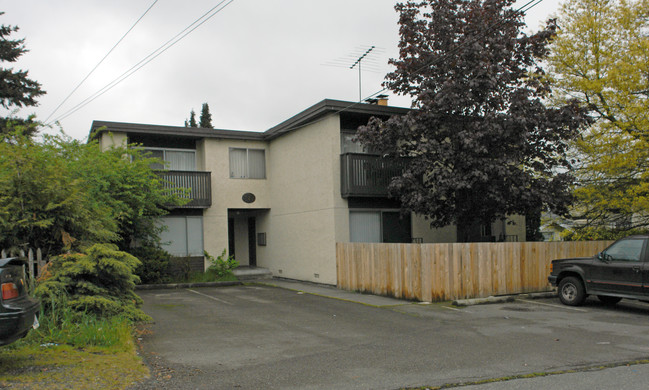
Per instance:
{"type": "Point", "coordinates": [362, 60]}
{"type": "Point", "coordinates": [358, 62]}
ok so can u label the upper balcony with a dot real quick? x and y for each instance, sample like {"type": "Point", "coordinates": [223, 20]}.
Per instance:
{"type": "Point", "coordinates": [367, 175]}
{"type": "Point", "coordinates": [197, 186]}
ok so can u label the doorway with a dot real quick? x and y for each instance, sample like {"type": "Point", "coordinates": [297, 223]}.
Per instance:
{"type": "Point", "coordinates": [242, 235]}
{"type": "Point", "coordinates": [252, 241]}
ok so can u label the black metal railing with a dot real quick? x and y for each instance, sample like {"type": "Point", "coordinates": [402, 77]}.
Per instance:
{"type": "Point", "coordinates": [197, 186]}
{"type": "Point", "coordinates": [367, 174]}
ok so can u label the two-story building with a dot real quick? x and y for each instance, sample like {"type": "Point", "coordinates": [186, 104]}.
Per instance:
{"type": "Point", "coordinates": [282, 198]}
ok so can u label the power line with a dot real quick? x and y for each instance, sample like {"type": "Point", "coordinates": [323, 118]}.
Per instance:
{"type": "Point", "coordinates": [523, 9]}
{"type": "Point", "coordinates": [102, 60]}
{"type": "Point", "coordinates": [164, 47]}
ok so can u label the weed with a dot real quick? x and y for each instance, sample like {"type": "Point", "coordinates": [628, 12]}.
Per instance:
{"type": "Point", "coordinates": [222, 265]}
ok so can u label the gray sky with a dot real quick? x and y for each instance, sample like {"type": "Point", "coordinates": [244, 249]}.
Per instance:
{"type": "Point", "coordinates": [256, 62]}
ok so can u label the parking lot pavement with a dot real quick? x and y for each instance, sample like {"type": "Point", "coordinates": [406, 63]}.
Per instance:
{"type": "Point", "coordinates": [623, 377]}
{"type": "Point", "coordinates": [269, 336]}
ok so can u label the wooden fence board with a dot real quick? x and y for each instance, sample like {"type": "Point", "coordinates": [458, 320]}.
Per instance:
{"type": "Point", "coordinates": [437, 272]}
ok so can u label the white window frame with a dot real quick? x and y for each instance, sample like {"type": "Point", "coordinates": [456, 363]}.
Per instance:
{"type": "Point", "coordinates": [185, 238]}
{"type": "Point", "coordinates": [246, 174]}
{"type": "Point", "coordinates": [164, 153]}
{"type": "Point", "coordinates": [371, 210]}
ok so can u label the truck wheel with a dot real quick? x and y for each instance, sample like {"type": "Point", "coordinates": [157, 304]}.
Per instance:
{"type": "Point", "coordinates": [608, 300]}
{"type": "Point", "coordinates": [571, 291]}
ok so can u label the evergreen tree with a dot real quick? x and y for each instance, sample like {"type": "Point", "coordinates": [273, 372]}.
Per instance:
{"type": "Point", "coordinates": [16, 89]}
{"type": "Point", "coordinates": [192, 119]}
{"type": "Point", "coordinates": [206, 117]}
{"type": "Point", "coordinates": [481, 143]}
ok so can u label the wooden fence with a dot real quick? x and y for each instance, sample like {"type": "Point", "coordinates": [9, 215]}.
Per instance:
{"type": "Point", "coordinates": [35, 261]}
{"type": "Point", "coordinates": [440, 272]}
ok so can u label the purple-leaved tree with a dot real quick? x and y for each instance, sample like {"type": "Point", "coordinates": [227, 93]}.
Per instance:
{"type": "Point", "coordinates": [481, 142]}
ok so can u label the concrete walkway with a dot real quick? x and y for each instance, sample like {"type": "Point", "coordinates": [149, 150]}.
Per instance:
{"type": "Point", "coordinates": [332, 292]}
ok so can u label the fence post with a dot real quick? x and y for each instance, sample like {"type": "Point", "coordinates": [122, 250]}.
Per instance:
{"type": "Point", "coordinates": [39, 260]}
{"type": "Point", "coordinates": [30, 259]}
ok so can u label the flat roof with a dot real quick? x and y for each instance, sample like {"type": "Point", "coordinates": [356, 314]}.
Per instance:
{"type": "Point", "coordinates": [306, 117]}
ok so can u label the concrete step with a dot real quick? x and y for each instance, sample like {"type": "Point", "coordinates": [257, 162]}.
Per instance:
{"type": "Point", "coordinates": [247, 273]}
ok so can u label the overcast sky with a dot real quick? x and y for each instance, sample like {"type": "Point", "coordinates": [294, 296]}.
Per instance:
{"type": "Point", "coordinates": [256, 62]}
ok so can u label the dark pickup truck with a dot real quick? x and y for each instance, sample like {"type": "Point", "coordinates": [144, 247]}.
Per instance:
{"type": "Point", "coordinates": [17, 310]}
{"type": "Point", "coordinates": [619, 271]}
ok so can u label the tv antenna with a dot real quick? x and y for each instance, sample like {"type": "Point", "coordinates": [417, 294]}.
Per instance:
{"type": "Point", "coordinates": [362, 61]}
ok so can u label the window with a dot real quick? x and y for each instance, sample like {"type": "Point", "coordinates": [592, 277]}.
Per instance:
{"type": "Point", "coordinates": [625, 250]}
{"type": "Point", "coordinates": [183, 236]}
{"type": "Point", "coordinates": [348, 145]}
{"type": "Point", "coordinates": [365, 226]}
{"type": "Point", "coordinates": [176, 159]}
{"type": "Point", "coordinates": [247, 163]}
{"type": "Point", "coordinates": [379, 226]}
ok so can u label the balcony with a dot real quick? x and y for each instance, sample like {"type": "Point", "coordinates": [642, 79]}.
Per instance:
{"type": "Point", "coordinates": [198, 186]}
{"type": "Point", "coordinates": [367, 175]}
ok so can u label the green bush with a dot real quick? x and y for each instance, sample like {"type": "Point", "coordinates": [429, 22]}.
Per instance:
{"type": "Point", "coordinates": [100, 282]}
{"type": "Point", "coordinates": [154, 267]}
{"type": "Point", "coordinates": [222, 266]}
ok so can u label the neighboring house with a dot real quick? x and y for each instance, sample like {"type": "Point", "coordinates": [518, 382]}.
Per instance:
{"type": "Point", "coordinates": [282, 198]}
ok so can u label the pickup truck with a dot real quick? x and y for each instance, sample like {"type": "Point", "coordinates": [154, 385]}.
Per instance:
{"type": "Point", "coordinates": [619, 271]}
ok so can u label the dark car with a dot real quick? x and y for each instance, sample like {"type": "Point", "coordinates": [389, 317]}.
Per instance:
{"type": "Point", "coordinates": [619, 271]}
{"type": "Point", "coordinates": [17, 310]}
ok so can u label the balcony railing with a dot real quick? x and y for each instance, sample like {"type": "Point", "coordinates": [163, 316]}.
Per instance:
{"type": "Point", "coordinates": [197, 186]}
{"type": "Point", "coordinates": [367, 175]}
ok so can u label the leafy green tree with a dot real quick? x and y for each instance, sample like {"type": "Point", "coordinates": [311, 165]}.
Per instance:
{"type": "Point", "coordinates": [16, 89]}
{"type": "Point", "coordinates": [41, 204]}
{"type": "Point", "coordinates": [122, 182]}
{"type": "Point", "coordinates": [480, 143]}
{"type": "Point", "coordinates": [61, 194]}
{"type": "Point", "coordinates": [206, 117]}
{"type": "Point", "coordinates": [601, 58]}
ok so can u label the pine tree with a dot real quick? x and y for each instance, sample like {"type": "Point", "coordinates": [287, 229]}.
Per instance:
{"type": "Point", "coordinates": [192, 119]}
{"type": "Point", "coordinates": [206, 117]}
{"type": "Point", "coordinates": [16, 89]}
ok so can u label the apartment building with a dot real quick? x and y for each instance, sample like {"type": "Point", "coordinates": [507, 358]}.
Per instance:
{"type": "Point", "coordinates": [281, 199]}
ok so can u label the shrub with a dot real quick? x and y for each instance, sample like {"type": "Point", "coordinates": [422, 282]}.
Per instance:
{"type": "Point", "coordinates": [221, 266]}
{"type": "Point", "coordinates": [154, 267]}
{"type": "Point", "coordinates": [100, 282]}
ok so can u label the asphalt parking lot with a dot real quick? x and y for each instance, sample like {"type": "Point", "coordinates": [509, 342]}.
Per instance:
{"type": "Point", "coordinates": [265, 336]}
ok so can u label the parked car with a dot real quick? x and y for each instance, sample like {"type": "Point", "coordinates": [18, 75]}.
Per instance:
{"type": "Point", "coordinates": [17, 310]}
{"type": "Point", "coordinates": [619, 271]}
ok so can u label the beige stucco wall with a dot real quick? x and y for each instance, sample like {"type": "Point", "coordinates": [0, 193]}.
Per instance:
{"type": "Point", "coordinates": [421, 229]}
{"type": "Point", "coordinates": [304, 184]}
{"type": "Point", "coordinates": [110, 140]}
{"type": "Point", "coordinates": [513, 226]}
{"type": "Point", "coordinates": [213, 155]}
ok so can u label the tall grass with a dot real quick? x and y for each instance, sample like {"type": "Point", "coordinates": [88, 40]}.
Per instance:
{"type": "Point", "coordinates": [62, 325]}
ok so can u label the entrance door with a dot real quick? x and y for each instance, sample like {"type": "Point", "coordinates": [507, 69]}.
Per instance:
{"type": "Point", "coordinates": [396, 228]}
{"type": "Point", "coordinates": [252, 241]}
{"type": "Point", "coordinates": [231, 237]}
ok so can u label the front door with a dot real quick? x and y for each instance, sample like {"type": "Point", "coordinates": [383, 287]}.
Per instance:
{"type": "Point", "coordinates": [252, 241]}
